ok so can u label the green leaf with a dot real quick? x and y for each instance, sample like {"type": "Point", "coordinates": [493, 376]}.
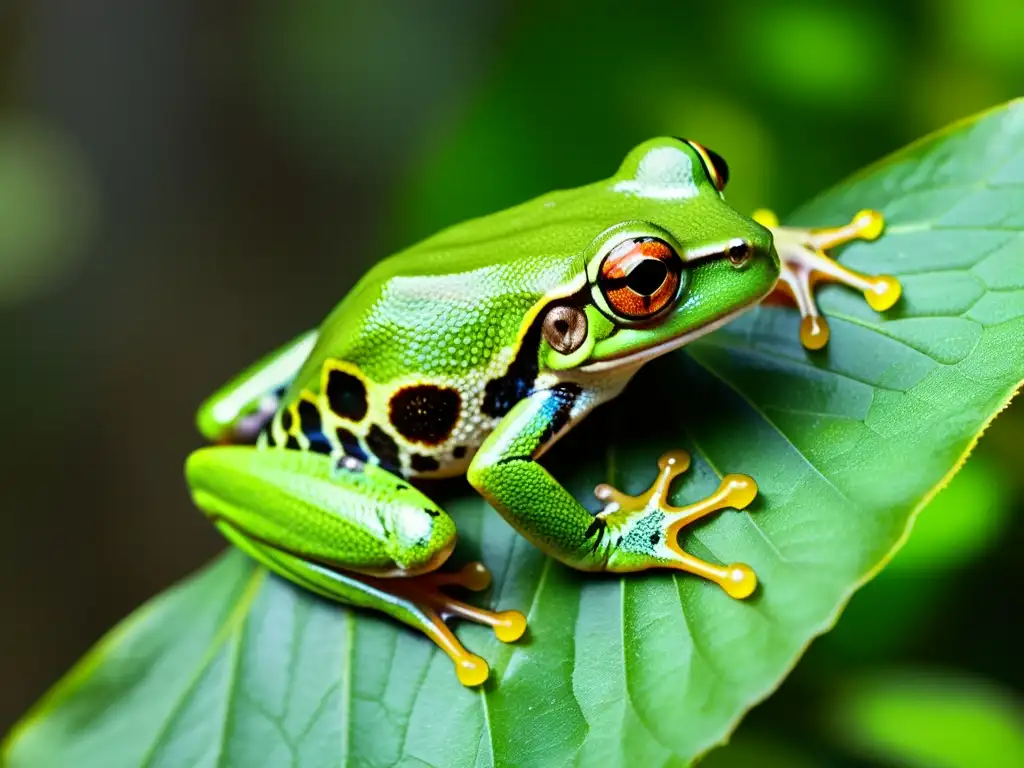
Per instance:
{"type": "Point", "coordinates": [963, 521]}
{"type": "Point", "coordinates": [239, 668]}
{"type": "Point", "coordinates": [929, 720]}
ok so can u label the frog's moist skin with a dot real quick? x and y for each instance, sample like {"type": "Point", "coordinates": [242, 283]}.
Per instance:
{"type": "Point", "coordinates": [472, 353]}
{"type": "Point", "coordinates": [428, 424]}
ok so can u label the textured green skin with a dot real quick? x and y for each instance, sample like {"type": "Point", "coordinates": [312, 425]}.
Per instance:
{"type": "Point", "coordinates": [366, 520]}
{"type": "Point", "coordinates": [505, 473]}
{"type": "Point", "coordinates": [454, 311]}
{"type": "Point", "coordinates": [544, 512]}
{"type": "Point", "coordinates": [477, 281]}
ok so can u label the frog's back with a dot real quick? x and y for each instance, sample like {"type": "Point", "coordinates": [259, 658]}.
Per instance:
{"type": "Point", "coordinates": [434, 345]}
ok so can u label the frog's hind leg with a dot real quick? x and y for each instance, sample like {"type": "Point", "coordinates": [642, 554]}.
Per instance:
{"type": "Point", "coordinates": [804, 263]}
{"type": "Point", "coordinates": [350, 532]}
{"type": "Point", "coordinates": [416, 601]}
{"type": "Point", "coordinates": [241, 408]}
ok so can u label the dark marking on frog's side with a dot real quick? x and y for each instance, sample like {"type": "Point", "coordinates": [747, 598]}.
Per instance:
{"type": "Point", "coordinates": [422, 463]}
{"type": "Point", "coordinates": [460, 452]}
{"type": "Point", "coordinates": [502, 393]}
{"type": "Point", "coordinates": [432, 512]}
{"type": "Point", "coordinates": [318, 443]}
{"type": "Point", "coordinates": [292, 444]}
{"type": "Point", "coordinates": [350, 444]}
{"type": "Point", "coordinates": [425, 413]}
{"type": "Point", "coordinates": [563, 398]}
{"type": "Point", "coordinates": [384, 447]}
{"type": "Point", "coordinates": [269, 432]}
{"type": "Point", "coordinates": [309, 417]}
{"type": "Point", "coordinates": [312, 427]}
{"type": "Point", "coordinates": [346, 395]}
{"type": "Point", "coordinates": [286, 420]}
{"type": "Point", "coordinates": [401, 487]}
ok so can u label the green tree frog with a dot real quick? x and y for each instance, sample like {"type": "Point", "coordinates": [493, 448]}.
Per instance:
{"type": "Point", "coordinates": [470, 354]}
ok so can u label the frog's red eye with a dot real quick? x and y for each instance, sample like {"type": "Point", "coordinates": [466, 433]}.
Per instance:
{"type": "Point", "coordinates": [640, 277]}
{"type": "Point", "coordinates": [714, 164]}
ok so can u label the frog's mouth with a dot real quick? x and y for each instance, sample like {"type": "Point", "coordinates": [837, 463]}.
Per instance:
{"type": "Point", "coordinates": [641, 356]}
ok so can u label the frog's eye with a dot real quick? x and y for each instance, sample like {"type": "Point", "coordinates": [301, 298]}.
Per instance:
{"type": "Point", "coordinates": [714, 163]}
{"type": "Point", "coordinates": [565, 328]}
{"type": "Point", "coordinates": [640, 277]}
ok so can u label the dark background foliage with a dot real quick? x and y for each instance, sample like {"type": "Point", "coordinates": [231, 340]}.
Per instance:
{"type": "Point", "coordinates": [185, 184]}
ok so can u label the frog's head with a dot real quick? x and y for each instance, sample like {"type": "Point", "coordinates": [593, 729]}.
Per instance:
{"type": "Point", "coordinates": [682, 264]}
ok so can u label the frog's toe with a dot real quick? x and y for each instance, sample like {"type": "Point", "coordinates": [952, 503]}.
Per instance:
{"type": "Point", "coordinates": [867, 224]}
{"type": "Point", "coordinates": [804, 264]}
{"type": "Point", "coordinates": [646, 527]}
{"type": "Point", "coordinates": [740, 581]}
{"type": "Point", "coordinates": [733, 492]}
{"type": "Point", "coordinates": [434, 607]}
{"type": "Point", "coordinates": [471, 670]}
{"type": "Point", "coordinates": [739, 490]}
{"type": "Point", "coordinates": [884, 291]}
{"type": "Point", "coordinates": [472, 576]}
{"type": "Point", "coordinates": [510, 626]}
{"type": "Point", "coordinates": [814, 331]}
{"type": "Point", "coordinates": [670, 466]}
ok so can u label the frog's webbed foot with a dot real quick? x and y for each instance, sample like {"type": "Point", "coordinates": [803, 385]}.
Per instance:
{"type": "Point", "coordinates": [805, 263]}
{"type": "Point", "coordinates": [642, 531]}
{"type": "Point", "coordinates": [433, 607]}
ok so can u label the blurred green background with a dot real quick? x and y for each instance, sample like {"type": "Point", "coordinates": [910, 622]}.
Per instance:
{"type": "Point", "coordinates": [186, 184]}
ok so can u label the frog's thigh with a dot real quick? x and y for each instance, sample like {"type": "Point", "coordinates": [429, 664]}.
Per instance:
{"type": "Point", "coordinates": [241, 408]}
{"type": "Point", "coordinates": [346, 531]}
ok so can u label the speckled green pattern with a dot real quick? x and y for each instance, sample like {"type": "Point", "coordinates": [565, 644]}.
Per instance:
{"type": "Point", "coordinates": [447, 326]}
{"type": "Point", "coordinates": [414, 425]}
{"type": "Point", "coordinates": [524, 492]}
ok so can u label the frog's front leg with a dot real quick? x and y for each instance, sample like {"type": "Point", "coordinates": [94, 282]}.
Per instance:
{"type": "Point", "coordinates": [350, 532]}
{"type": "Point", "coordinates": [632, 533]}
{"type": "Point", "coordinates": [804, 263]}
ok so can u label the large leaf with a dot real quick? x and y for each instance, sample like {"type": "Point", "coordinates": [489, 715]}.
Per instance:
{"type": "Point", "coordinates": [236, 667]}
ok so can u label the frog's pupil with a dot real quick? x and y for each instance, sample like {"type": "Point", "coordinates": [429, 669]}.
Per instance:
{"type": "Point", "coordinates": [562, 326]}
{"type": "Point", "coordinates": [647, 277]}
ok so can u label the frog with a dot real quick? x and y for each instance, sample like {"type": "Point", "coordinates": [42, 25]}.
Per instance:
{"type": "Point", "coordinates": [471, 354]}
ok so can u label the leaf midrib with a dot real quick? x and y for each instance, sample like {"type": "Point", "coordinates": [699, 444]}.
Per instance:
{"type": "Point", "coordinates": [239, 614]}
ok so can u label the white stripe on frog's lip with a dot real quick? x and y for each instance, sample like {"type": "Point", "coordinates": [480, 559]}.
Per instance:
{"type": "Point", "coordinates": [711, 251]}
{"type": "Point", "coordinates": [644, 355]}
